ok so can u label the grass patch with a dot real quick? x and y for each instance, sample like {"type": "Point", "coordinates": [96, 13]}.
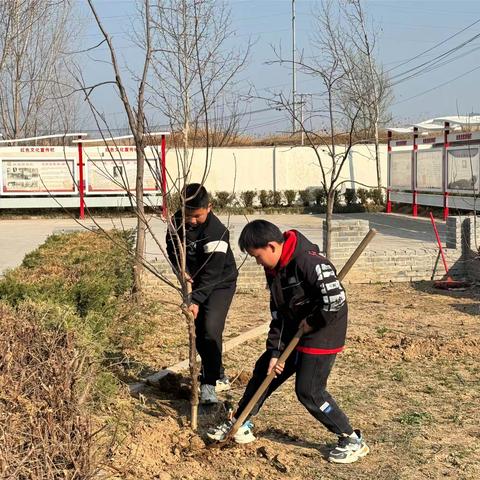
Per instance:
{"type": "Point", "coordinates": [81, 282]}
{"type": "Point", "coordinates": [381, 331]}
{"type": "Point", "coordinates": [414, 418]}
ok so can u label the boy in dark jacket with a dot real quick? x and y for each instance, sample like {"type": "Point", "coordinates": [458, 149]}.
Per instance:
{"type": "Point", "coordinates": [304, 292]}
{"type": "Point", "coordinates": [211, 268]}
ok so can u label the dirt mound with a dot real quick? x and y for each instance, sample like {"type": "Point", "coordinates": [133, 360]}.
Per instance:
{"type": "Point", "coordinates": [174, 384]}
{"type": "Point", "coordinates": [165, 450]}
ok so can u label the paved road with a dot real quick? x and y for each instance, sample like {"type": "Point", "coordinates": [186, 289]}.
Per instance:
{"type": "Point", "coordinates": [18, 237]}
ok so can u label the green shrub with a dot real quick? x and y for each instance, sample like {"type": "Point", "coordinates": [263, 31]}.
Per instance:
{"type": "Point", "coordinates": [247, 198]}
{"type": "Point", "coordinates": [350, 196]}
{"type": "Point", "coordinates": [276, 198]}
{"type": "Point", "coordinates": [363, 196]}
{"type": "Point", "coordinates": [79, 282]}
{"type": "Point", "coordinates": [336, 198]}
{"type": "Point", "coordinates": [174, 201]}
{"type": "Point", "coordinates": [376, 195]}
{"type": "Point", "coordinates": [264, 199]}
{"type": "Point", "coordinates": [306, 197]}
{"type": "Point", "coordinates": [223, 199]}
{"type": "Point", "coordinates": [320, 196]}
{"type": "Point", "coordinates": [290, 196]}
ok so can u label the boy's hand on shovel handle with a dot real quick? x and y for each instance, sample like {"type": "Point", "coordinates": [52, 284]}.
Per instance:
{"type": "Point", "coordinates": [275, 365]}
{"type": "Point", "coordinates": [279, 366]}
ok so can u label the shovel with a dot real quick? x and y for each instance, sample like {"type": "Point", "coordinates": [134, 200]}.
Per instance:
{"type": "Point", "coordinates": [290, 347]}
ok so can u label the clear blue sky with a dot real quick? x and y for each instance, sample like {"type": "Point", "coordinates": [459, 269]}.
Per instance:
{"type": "Point", "coordinates": [407, 28]}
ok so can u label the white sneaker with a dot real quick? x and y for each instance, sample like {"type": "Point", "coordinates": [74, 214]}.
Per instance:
{"type": "Point", "coordinates": [207, 394]}
{"type": "Point", "coordinates": [349, 449]}
{"type": "Point", "coordinates": [223, 384]}
{"type": "Point", "coordinates": [243, 435]}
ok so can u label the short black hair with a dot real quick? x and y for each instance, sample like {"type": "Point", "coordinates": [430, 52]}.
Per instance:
{"type": "Point", "coordinates": [258, 234]}
{"type": "Point", "coordinates": [196, 196]}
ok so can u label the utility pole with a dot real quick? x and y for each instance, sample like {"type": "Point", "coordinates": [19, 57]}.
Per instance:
{"type": "Point", "coordinates": [293, 69]}
{"type": "Point", "coordinates": [302, 104]}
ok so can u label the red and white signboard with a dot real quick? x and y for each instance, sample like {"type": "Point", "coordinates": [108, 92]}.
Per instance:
{"type": "Point", "coordinates": [401, 170]}
{"type": "Point", "coordinates": [38, 170]}
{"type": "Point", "coordinates": [111, 170]}
{"type": "Point", "coordinates": [463, 169]}
{"type": "Point", "coordinates": [38, 176]}
{"type": "Point", "coordinates": [429, 169]}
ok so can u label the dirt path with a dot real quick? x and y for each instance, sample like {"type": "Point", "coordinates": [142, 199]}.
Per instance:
{"type": "Point", "coordinates": [409, 378]}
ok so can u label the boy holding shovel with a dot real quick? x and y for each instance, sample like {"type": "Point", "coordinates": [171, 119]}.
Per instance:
{"type": "Point", "coordinates": [304, 293]}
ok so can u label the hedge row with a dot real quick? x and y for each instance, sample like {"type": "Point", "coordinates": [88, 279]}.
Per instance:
{"type": "Point", "coordinates": [290, 198]}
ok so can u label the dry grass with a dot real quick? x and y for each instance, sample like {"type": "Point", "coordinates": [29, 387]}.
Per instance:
{"type": "Point", "coordinates": [45, 431]}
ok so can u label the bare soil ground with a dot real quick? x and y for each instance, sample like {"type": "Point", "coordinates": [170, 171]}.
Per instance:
{"type": "Point", "coordinates": [409, 378]}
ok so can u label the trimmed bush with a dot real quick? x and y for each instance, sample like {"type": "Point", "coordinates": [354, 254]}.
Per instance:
{"type": "Point", "coordinates": [363, 196]}
{"type": "Point", "coordinates": [264, 199]}
{"type": "Point", "coordinates": [376, 195]}
{"type": "Point", "coordinates": [319, 196]}
{"type": "Point", "coordinates": [290, 197]}
{"type": "Point", "coordinates": [247, 198]}
{"type": "Point", "coordinates": [276, 198]}
{"type": "Point", "coordinates": [306, 197]}
{"type": "Point", "coordinates": [174, 201]}
{"type": "Point", "coordinates": [350, 196]}
{"type": "Point", "coordinates": [81, 282]}
{"type": "Point", "coordinates": [223, 199]}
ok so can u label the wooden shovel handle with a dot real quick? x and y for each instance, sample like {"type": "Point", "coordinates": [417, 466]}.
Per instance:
{"type": "Point", "coordinates": [294, 342]}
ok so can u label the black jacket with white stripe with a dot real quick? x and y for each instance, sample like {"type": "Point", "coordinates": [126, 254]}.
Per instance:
{"type": "Point", "coordinates": [305, 285]}
{"type": "Point", "coordinates": [210, 261]}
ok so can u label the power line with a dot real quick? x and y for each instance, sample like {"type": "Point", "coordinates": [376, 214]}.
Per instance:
{"type": "Point", "coordinates": [438, 86]}
{"type": "Point", "coordinates": [435, 46]}
{"type": "Point", "coordinates": [434, 66]}
{"type": "Point", "coordinates": [438, 57]}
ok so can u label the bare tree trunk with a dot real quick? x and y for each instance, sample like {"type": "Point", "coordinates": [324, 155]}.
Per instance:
{"type": "Point", "coordinates": [331, 187]}
{"type": "Point", "coordinates": [136, 123]}
{"type": "Point", "coordinates": [377, 157]}
{"type": "Point", "coordinates": [328, 220]}
{"type": "Point", "coordinates": [194, 370]}
{"type": "Point", "coordinates": [192, 361]}
{"type": "Point", "coordinates": [141, 223]}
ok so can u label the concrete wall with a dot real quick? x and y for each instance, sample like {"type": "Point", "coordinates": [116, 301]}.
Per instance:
{"type": "Point", "coordinates": [400, 265]}
{"type": "Point", "coordinates": [277, 168]}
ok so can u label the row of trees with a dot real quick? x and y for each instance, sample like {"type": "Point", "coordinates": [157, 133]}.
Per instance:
{"type": "Point", "coordinates": [34, 82]}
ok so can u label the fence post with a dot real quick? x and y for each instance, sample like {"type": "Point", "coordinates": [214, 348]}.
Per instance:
{"type": "Point", "coordinates": [446, 131]}
{"type": "Point", "coordinates": [81, 189]}
{"type": "Point", "coordinates": [414, 173]}
{"type": "Point", "coordinates": [163, 169]}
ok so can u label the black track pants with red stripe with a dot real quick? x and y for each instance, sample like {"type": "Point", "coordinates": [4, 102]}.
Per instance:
{"type": "Point", "coordinates": [312, 373]}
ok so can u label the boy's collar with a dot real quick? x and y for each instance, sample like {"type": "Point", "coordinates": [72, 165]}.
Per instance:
{"type": "Point", "coordinates": [288, 248]}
